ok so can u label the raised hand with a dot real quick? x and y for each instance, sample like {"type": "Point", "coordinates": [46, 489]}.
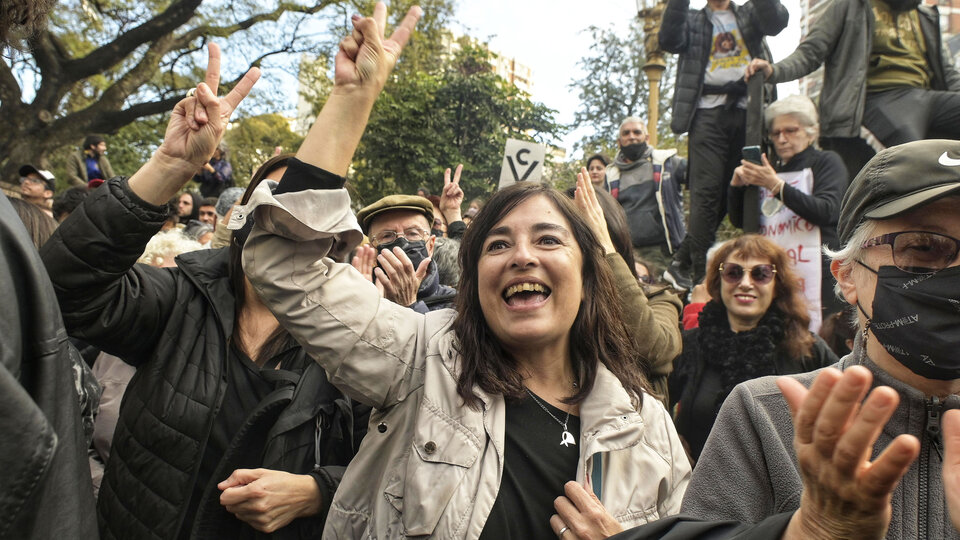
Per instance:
{"type": "Point", "coordinates": [451, 198]}
{"type": "Point", "coordinates": [365, 261]}
{"type": "Point", "coordinates": [365, 58]}
{"type": "Point", "coordinates": [586, 200]}
{"type": "Point", "coordinates": [363, 64]}
{"type": "Point", "coordinates": [198, 122]}
{"type": "Point", "coordinates": [195, 128]}
{"type": "Point", "coordinates": [844, 494]}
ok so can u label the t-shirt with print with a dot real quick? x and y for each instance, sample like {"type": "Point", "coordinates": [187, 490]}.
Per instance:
{"type": "Point", "coordinates": [728, 58]}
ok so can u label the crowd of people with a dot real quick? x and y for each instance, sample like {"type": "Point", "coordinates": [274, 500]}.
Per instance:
{"type": "Point", "coordinates": [263, 362]}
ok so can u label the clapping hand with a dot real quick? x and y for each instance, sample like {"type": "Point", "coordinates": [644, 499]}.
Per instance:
{"type": "Point", "coordinates": [845, 495]}
{"type": "Point", "coordinates": [586, 200]}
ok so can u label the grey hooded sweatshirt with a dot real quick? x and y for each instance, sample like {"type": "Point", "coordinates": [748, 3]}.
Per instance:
{"type": "Point", "coordinates": [748, 469]}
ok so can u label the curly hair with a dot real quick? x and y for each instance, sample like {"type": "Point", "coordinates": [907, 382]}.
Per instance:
{"type": "Point", "coordinates": [599, 332]}
{"type": "Point", "coordinates": [787, 294]}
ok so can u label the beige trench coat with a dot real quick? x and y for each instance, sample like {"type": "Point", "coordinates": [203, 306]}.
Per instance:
{"type": "Point", "coordinates": [429, 466]}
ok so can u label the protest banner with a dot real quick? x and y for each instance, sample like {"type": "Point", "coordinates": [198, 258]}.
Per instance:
{"type": "Point", "coordinates": [799, 237]}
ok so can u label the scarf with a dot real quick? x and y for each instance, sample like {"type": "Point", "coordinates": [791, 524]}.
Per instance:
{"type": "Point", "coordinates": [738, 356]}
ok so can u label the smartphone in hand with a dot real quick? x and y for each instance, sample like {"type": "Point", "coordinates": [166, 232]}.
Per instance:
{"type": "Point", "coordinates": [752, 154]}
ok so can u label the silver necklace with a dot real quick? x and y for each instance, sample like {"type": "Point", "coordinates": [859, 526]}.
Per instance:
{"type": "Point", "coordinates": [566, 438]}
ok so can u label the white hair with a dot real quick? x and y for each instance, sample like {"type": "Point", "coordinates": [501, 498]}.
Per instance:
{"type": "Point", "coordinates": [167, 244]}
{"type": "Point", "coordinates": [800, 107]}
{"type": "Point", "coordinates": [851, 252]}
{"type": "Point", "coordinates": [631, 119]}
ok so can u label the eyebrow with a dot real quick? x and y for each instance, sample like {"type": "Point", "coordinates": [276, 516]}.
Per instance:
{"type": "Point", "coordinates": [505, 230]}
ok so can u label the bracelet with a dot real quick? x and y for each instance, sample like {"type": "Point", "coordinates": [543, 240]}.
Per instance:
{"type": "Point", "coordinates": [780, 190]}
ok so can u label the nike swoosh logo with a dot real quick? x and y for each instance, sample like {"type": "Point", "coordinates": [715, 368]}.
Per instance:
{"type": "Point", "coordinates": [948, 161]}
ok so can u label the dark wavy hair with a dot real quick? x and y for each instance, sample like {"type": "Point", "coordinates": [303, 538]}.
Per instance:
{"type": "Point", "coordinates": [787, 295]}
{"type": "Point", "coordinates": [598, 334]}
{"type": "Point", "coordinates": [617, 225]}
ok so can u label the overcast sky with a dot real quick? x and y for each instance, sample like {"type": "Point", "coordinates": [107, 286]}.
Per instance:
{"type": "Point", "coordinates": [549, 37]}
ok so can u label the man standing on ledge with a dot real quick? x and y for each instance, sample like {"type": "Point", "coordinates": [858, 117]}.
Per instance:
{"type": "Point", "coordinates": [715, 45]}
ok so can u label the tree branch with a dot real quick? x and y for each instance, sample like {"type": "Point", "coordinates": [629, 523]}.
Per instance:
{"type": "Point", "coordinates": [206, 30]}
{"type": "Point", "coordinates": [10, 92]}
{"type": "Point", "coordinates": [114, 52]}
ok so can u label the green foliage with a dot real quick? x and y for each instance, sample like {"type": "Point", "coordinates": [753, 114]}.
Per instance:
{"type": "Point", "coordinates": [615, 87]}
{"type": "Point", "coordinates": [251, 141]}
{"type": "Point", "coordinates": [428, 120]}
{"type": "Point", "coordinates": [133, 145]}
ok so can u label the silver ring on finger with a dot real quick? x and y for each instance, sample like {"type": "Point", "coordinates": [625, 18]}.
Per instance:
{"type": "Point", "coordinates": [191, 92]}
{"type": "Point", "coordinates": [563, 530]}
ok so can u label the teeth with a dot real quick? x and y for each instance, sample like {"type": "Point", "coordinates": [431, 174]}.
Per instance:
{"type": "Point", "coordinates": [529, 287]}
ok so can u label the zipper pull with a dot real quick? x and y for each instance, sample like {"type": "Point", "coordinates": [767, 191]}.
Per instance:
{"type": "Point", "coordinates": [933, 424]}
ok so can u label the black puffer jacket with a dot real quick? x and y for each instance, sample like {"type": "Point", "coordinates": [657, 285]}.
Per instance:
{"type": "Point", "coordinates": [688, 32]}
{"type": "Point", "coordinates": [179, 321]}
{"type": "Point", "coordinates": [45, 489]}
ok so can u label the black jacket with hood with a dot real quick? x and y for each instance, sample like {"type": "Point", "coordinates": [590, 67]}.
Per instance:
{"type": "Point", "coordinates": [689, 33]}
{"type": "Point", "coordinates": [179, 321]}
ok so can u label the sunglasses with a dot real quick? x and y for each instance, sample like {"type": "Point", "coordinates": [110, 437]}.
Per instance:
{"type": "Point", "coordinates": [760, 274]}
{"type": "Point", "coordinates": [918, 252]}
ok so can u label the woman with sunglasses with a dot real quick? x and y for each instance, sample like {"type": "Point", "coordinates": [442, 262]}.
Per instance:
{"type": "Point", "coordinates": [803, 181]}
{"type": "Point", "coordinates": [755, 325]}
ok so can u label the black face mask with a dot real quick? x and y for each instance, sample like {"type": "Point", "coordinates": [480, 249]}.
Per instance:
{"type": "Point", "coordinates": [416, 251]}
{"type": "Point", "coordinates": [916, 319]}
{"type": "Point", "coordinates": [436, 232]}
{"type": "Point", "coordinates": [634, 151]}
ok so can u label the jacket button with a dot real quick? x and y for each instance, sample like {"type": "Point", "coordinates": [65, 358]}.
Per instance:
{"type": "Point", "coordinates": [382, 428]}
{"type": "Point", "coordinates": [430, 447]}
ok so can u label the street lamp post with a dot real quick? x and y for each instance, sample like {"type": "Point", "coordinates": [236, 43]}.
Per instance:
{"type": "Point", "coordinates": [651, 12]}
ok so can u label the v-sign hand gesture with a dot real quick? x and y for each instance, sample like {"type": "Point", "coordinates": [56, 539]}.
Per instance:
{"type": "Point", "coordinates": [198, 121]}
{"type": "Point", "coordinates": [365, 58]}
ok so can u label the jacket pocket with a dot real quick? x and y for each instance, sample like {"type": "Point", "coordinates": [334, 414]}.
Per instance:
{"type": "Point", "coordinates": [442, 454]}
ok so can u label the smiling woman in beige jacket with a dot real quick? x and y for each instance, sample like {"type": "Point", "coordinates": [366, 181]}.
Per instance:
{"type": "Point", "coordinates": [537, 332]}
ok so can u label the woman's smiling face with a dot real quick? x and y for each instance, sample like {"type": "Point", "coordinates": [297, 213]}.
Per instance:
{"type": "Point", "coordinates": [530, 282]}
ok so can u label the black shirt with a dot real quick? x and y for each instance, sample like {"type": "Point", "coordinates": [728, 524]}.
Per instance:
{"type": "Point", "coordinates": [535, 468]}
{"type": "Point", "coordinates": [244, 390]}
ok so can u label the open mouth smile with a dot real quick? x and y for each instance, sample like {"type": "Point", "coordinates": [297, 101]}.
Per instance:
{"type": "Point", "coordinates": [526, 294]}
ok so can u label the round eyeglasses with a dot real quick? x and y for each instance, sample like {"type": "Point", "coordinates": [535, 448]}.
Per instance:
{"type": "Point", "coordinates": [760, 274]}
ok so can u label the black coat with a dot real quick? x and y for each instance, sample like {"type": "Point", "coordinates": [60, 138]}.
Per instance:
{"type": "Point", "coordinates": [179, 321]}
{"type": "Point", "coordinates": [45, 488]}
{"type": "Point", "coordinates": [689, 33]}
{"type": "Point", "coordinates": [697, 382]}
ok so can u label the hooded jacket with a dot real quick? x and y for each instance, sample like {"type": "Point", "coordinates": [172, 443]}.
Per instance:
{"type": "Point", "coordinates": [841, 39]}
{"type": "Point", "coordinates": [177, 323]}
{"type": "Point", "coordinates": [689, 33]}
{"type": "Point", "coordinates": [653, 202]}
{"type": "Point", "coordinates": [750, 454]}
{"type": "Point", "coordinates": [431, 467]}
{"type": "Point", "coordinates": [45, 488]}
